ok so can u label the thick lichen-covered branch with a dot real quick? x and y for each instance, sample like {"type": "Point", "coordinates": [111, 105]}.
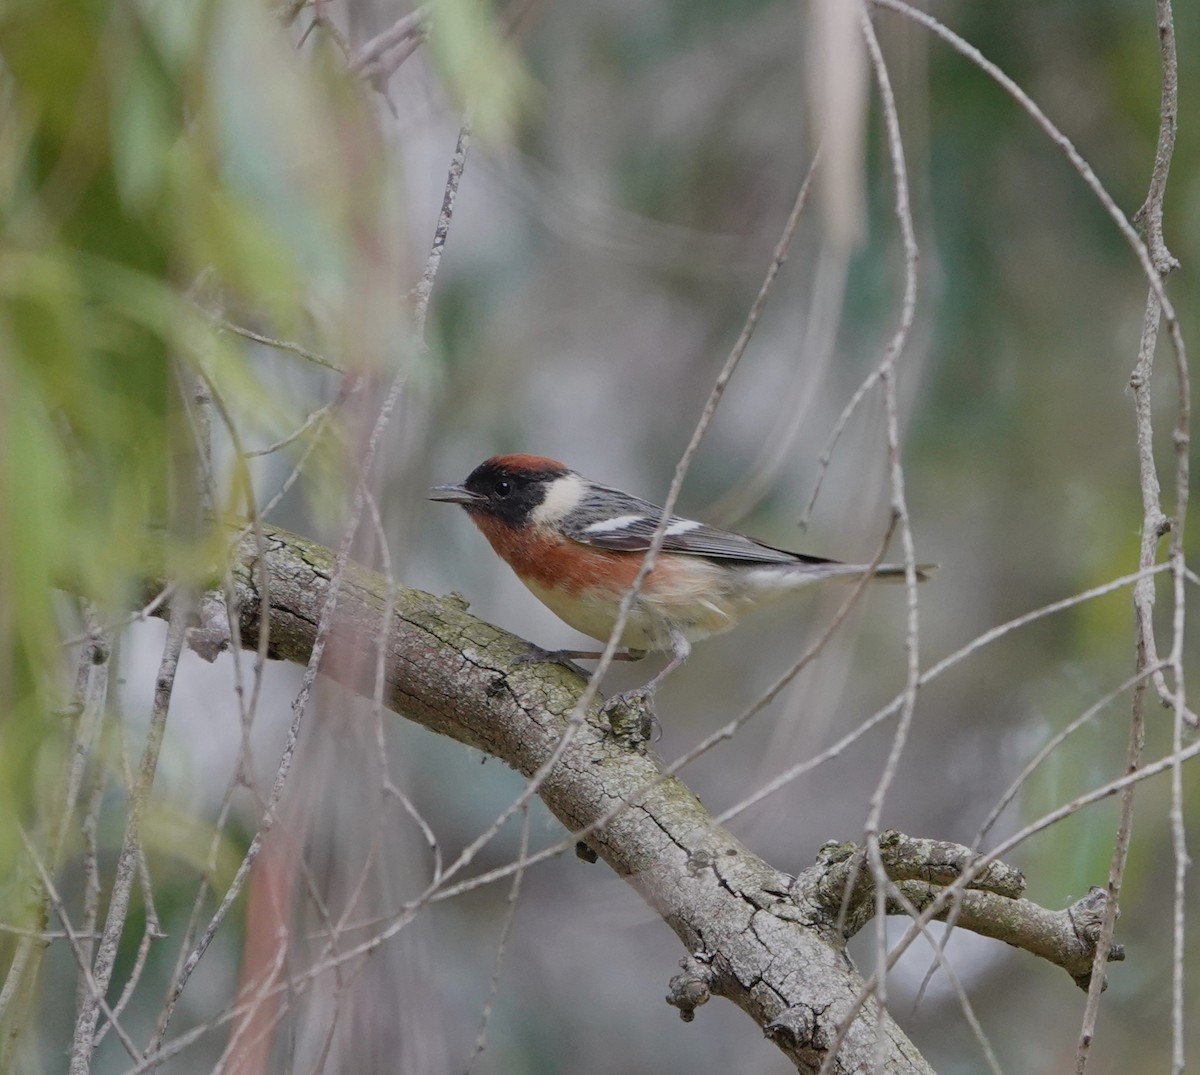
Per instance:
{"type": "Point", "coordinates": [841, 885]}
{"type": "Point", "coordinates": [759, 937]}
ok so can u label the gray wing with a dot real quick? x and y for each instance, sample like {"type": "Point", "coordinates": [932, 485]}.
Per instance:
{"type": "Point", "coordinates": [627, 523]}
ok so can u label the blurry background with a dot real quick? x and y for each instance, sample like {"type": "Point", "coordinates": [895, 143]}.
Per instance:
{"type": "Point", "coordinates": [631, 169]}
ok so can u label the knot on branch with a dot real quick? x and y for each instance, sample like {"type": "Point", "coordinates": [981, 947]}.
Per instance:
{"type": "Point", "coordinates": [691, 988]}
{"type": "Point", "coordinates": [949, 882]}
{"type": "Point", "coordinates": [210, 637]}
{"type": "Point", "coordinates": [793, 1028]}
{"type": "Point", "coordinates": [842, 883]}
{"type": "Point", "coordinates": [1086, 916]}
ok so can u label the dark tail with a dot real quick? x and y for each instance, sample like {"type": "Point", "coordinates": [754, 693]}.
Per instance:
{"type": "Point", "coordinates": [895, 572]}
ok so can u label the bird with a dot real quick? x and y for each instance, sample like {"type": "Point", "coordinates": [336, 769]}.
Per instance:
{"type": "Point", "coordinates": [578, 545]}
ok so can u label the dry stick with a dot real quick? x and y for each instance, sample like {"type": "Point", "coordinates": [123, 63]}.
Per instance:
{"type": "Point", "coordinates": [42, 936]}
{"type": "Point", "coordinates": [1151, 215]}
{"type": "Point", "coordinates": [1145, 657]}
{"type": "Point", "coordinates": [1154, 523]}
{"type": "Point", "coordinates": [204, 397]}
{"type": "Point", "coordinates": [315, 419]}
{"type": "Point", "coordinates": [89, 825]}
{"type": "Point", "coordinates": [350, 385]}
{"type": "Point", "coordinates": [118, 905]}
{"type": "Point", "coordinates": [116, 626]}
{"type": "Point", "coordinates": [887, 370]}
{"type": "Point", "coordinates": [514, 894]}
{"type": "Point", "coordinates": [95, 990]}
{"type": "Point", "coordinates": [151, 930]}
{"type": "Point", "coordinates": [825, 306]}
{"type": "Point", "coordinates": [87, 703]}
{"type": "Point", "coordinates": [401, 39]}
{"type": "Point", "coordinates": [280, 345]}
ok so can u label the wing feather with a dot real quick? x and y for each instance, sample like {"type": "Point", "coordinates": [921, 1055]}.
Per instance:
{"type": "Point", "coordinates": [628, 523]}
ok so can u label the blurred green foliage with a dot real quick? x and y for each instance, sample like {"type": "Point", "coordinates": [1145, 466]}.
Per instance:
{"type": "Point", "coordinates": [121, 205]}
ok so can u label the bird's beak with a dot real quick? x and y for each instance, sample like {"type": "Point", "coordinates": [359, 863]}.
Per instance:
{"type": "Point", "coordinates": [454, 494]}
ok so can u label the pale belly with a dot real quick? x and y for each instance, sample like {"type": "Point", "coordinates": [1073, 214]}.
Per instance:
{"type": "Point", "coordinates": [650, 623]}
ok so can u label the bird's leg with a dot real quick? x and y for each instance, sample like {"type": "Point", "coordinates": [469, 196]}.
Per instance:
{"type": "Point", "coordinates": [639, 702]}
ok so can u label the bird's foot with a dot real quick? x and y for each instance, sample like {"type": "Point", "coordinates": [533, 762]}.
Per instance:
{"type": "Point", "coordinates": [631, 716]}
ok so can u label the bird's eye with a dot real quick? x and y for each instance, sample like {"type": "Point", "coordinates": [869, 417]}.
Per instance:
{"type": "Point", "coordinates": [503, 487]}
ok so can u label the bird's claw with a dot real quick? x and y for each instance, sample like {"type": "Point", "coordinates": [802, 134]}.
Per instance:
{"type": "Point", "coordinates": [631, 716]}
{"type": "Point", "coordinates": [537, 655]}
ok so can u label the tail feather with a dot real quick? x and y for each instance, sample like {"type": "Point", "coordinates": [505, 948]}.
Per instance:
{"type": "Point", "coordinates": [897, 572]}
{"type": "Point", "coordinates": [884, 572]}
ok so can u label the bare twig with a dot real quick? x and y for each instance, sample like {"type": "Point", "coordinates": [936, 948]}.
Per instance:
{"type": "Point", "coordinates": [127, 862]}
{"type": "Point", "coordinates": [313, 421]}
{"type": "Point", "coordinates": [510, 915]}
{"type": "Point", "coordinates": [94, 989]}
{"type": "Point", "coordinates": [378, 59]}
{"type": "Point", "coordinates": [887, 369]}
{"type": "Point", "coordinates": [1051, 746]}
{"type": "Point", "coordinates": [279, 345]}
{"type": "Point", "coordinates": [87, 705]}
{"type": "Point", "coordinates": [1154, 525]}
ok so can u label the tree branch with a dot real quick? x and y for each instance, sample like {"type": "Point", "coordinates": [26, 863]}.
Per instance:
{"type": "Point", "coordinates": [759, 937]}
{"type": "Point", "coordinates": [841, 886]}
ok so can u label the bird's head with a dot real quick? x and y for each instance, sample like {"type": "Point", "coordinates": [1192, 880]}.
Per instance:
{"type": "Point", "coordinates": [519, 490]}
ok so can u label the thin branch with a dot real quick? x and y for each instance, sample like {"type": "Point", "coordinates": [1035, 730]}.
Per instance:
{"type": "Point", "coordinates": [87, 706]}
{"type": "Point", "coordinates": [127, 862]}
{"type": "Point", "coordinates": [779, 257]}
{"type": "Point", "coordinates": [887, 369]}
{"type": "Point", "coordinates": [1051, 746]}
{"type": "Point", "coordinates": [377, 60]}
{"type": "Point", "coordinates": [441, 231]}
{"type": "Point", "coordinates": [95, 990]}
{"type": "Point", "coordinates": [1154, 525]}
{"type": "Point", "coordinates": [308, 355]}
{"type": "Point", "coordinates": [314, 420]}
{"type": "Point", "coordinates": [510, 915]}
{"type": "Point", "coordinates": [944, 665]}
